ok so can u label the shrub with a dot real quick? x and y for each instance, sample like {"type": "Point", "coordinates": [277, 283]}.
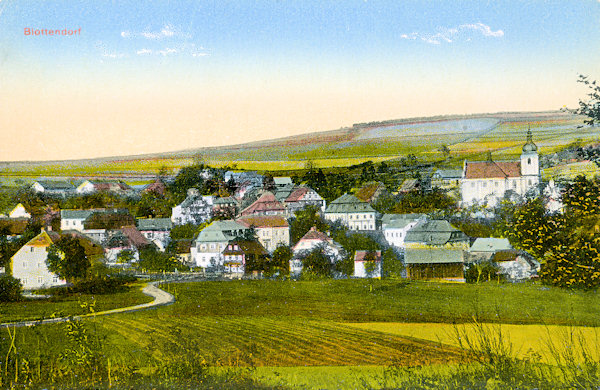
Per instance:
{"type": "Point", "coordinates": [99, 285]}
{"type": "Point", "coordinates": [10, 289]}
{"type": "Point", "coordinates": [482, 272]}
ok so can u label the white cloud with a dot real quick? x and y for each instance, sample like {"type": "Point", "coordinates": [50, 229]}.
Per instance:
{"type": "Point", "coordinates": [167, 51]}
{"type": "Point", "coordinates": [125, 34]}
{"type": "Point", "coordinates": [113, 55]}
{"type": "Point", "coordinates": [143, 51]}
{"type": "Point", "coordinates": [449, 35]}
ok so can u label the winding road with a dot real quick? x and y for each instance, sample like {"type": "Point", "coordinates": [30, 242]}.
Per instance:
{"type": "Point", "coordinates": [161, 298]}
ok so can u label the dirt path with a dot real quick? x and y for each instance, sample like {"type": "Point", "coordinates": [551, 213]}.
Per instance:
{"type": "Point", "coordinates": [161, 298]}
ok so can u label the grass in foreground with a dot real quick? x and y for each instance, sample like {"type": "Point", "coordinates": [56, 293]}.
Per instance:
{"type": "Point", "coordinates": [37, 309]}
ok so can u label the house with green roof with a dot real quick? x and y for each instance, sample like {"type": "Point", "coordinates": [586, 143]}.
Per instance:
{"type": "Point", "coordinates": [435, 250]}
{"type": "Point", "coordinates": [395, 227]}
{"type": "Point", "coordinates": [207, 249]}
{"type": "Point", "coordinates": [352, 212]}
{"type": "Point", "coordinates": [53, 187]}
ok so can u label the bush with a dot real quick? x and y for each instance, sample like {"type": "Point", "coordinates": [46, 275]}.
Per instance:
{"type": "Point", "coordinates": [482, 272]}
{"type": "Point", "coordinates": [10, 289]}
{"type": "Point", "coordinates": [99, 285]}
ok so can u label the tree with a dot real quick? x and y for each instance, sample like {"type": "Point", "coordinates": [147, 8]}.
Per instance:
{"type": "Point", "coordinates": [392, 265]}
{"type": "Point", "coordinates": [268, 182]}
{"type": "Point", "coordinates": [281, 259]}
{"type": "Point", "coordinates": [304, 220]}
{"type": "Point", "coordinates": [67, 259]}
{"type": "Point", "coordinates": [590, 107]}
{"type": "Point", "coordinates": [155, 261]}
{"type": "Point", "coordinates": [316, 262]}
{"type": "Point", "coordinates": [445, 150]}
{"type": "Point", "coordinates": [10, 289]}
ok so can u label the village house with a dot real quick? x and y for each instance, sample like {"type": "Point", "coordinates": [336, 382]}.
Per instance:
{"type": "Point", "coordinates": [281, 182]}
{"type": "Point", "coordinates": [73, 219]}
{"type": "Point", "coordinates": [28, 265]}
{"type": "Point", "coordinates": [271, 230]}
{"type": "Point", "coordinates": [195, 209]}
{"type": "Point", "coordinates": [396, 226]}
{"type": "Point", "coordinates": [302, 197]}
{"type": "Point", "coordinates": [53, 187]}
{"type": "Point", "coordinates": [239, 254]}
{"type": "Point", "coordinates": [516, 265]}
{"type": "Point", "coordinates": [244, 181]}
{"type": "Point", "coordinates": [483, 249]}
{"type": "Point", "coordinates": [18, 211]}
{"type": "Point", "coordinates": [311, 240]}
{"type": "Point", "coordinates": [435, 250]}
{"type": "Point", "coordinates": [126, 239]}
{"type": "Point", "coordinates": [156, 230]}
{"type": "Point", "coordinates": [225, 206]}
{"type": "Point", "coordinates": [115, 187]}
{"type": "Point", "coordinates": [266, 204]}
{"type": "Point", "coordinates": [367, 264]}
{"type": "Point", "coordinates": [446, 178]}
{"type": "Point", "coordinates": [490, 181]}
{"type": "Point", "coordinates": [99, 224]}
{"type": "Point", "coordinates": [352, 212]}
{"type": "Point", "coordinates": [211, 242]}
{"type": "Point", "coordinates": [157, 187]}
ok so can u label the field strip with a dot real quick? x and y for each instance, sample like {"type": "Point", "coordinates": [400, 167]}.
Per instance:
{"type": "Point", "coordinates": [524, 339]}
{"type": "Point", "coordinates": [161, 298]}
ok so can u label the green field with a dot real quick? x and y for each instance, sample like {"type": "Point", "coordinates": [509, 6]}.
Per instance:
{"type": "Point", "coordinates": [318, 334]}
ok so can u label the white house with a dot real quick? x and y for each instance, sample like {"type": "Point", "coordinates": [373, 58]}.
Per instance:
{"type": "Point", "coordinates": [19, 212]}
{"type": "Point", "coordinates": [206, 250]}
{"type": "Point", "coordinates": [396, 226]}
{"type": "Point", "coordinates": [311, 240]}
{"type": "Point", "coordinates": [73, 219]}
{"type": "Point", "coordinates": [364, 267]}
{"type": "Point", "coordinates": [489, 181]}
{"type": "Point", "coordinates": [156, 230]}
{"type": "Point", "coordinates": [194, 209]}
{"type": "Point", "coordinates": [302, 197]}
{"type": "Point", "coordinates": [29, 263]}
{"type": "Point", "coordinates": [53, 187]}
{"type": "Point", "coordinates": [352, 212]}
{"type": "Point", "coordinates": [271, 230]}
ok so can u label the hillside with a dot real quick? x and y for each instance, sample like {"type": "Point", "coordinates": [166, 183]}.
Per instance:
{"type": "Point", "coordinates": [468, 136]}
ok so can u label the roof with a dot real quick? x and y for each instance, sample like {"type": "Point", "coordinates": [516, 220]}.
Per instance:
{"type": "Point", "coordinates": [261, 221]}
{"type": "Point", "coordinates": [247, 247]}
{"type": "Point", "coordinates": [220, 231]}
{"type": "Point", "coordinates": [110, 186]}
{"type": "Point", "coordinates": [108, 219]}
{"type": "Point", "coordinates": [76, 214]}
{"type": "Point", "coordinates": [297, 194]}
{"type": "Point", "coordinates": [349, 204]}
{"type": "Point", "coordinates": [314, 234]}
{"type": "Point", "coordinates": [360, 255]}
{"type": "Point", "coordinates": [266, 202]}
{"type": "Point", "coordinates": [224, 200]}
{"type": "Point", "coordinates": [55, 185]}
{"type": "Point", "coordinates": [492, 169]}
{"type": "Point", "coordinates": [491, 245]}
{"type": "Point", "coordinates": [433, 256]}
{"type": "Point", "coordinates": [368, 191]}
{"type": "Point", "coordinates": [435, 232]}
{"type": "Point", "coordinates": [529, 145]}
{"type": "Point", "coordinates": [281, 181]}
{"type": "Point", "coordinates": [158, 187]}
{"type": "Point", "coordinates": [135, 237]}
{"type": "Point", "coordinates": [154, 224]}
{"type": "Point", "coordinates": [409, 185]}
{"type": "Point", "coordinates": [43, 239]}
{"type": "Point", "coordinates": [399, 221]}
{"type": "Point", "coordinates": [449, 173]}
{"type": "Point", "coordinates": [191, 199]}
{"type": "Point", "coordinates": [283, 193]}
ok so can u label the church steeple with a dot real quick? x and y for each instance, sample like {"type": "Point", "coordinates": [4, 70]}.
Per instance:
{"type": "Point", "coordinates": [529, 145]}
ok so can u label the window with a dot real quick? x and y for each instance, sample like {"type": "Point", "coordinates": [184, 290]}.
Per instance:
{"type": "Point", "coordinates": [40, 280]}
{"type": "Point", "coordinates": [24, 264]}
{"type": "Point", "coordinates": [24, 281]}
{"type": "Point", "coordinates": [55, 279]}
{"type": "Point", "coordinates": [496, 184]}
{"type": "Point", "coordinates": [473, 185]}
{"type": "Point", "coordinates": [484, 184]}
{"type": "Point", "coordinates": [529, 161]}
{"type": "Point", "coordinates": [31, 249]}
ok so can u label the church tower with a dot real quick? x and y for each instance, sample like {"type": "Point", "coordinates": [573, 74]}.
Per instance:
{"type": "Point", "coordinates": [530, 165]}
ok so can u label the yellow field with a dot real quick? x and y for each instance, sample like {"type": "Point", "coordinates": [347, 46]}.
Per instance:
{"type": "Point", "coordinates": [572, 170]}
{"type": "Point", "coordinates": [525, 340]}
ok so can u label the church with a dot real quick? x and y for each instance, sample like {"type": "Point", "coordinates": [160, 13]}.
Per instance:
{"type": "Point", "coordinates": [487, 182]}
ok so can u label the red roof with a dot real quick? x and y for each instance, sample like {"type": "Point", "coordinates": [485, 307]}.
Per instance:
{"type": "Point", "coordinates": [360, 255]}
{"type": "Point", "coordinates": [314, 234]}
{"type": "Point", "coordinates": [297, 194]}
{"type": "Point", "coordinates": [267, 202]}
{"type": "Point", "coordinates": [492, 169]}
{"type": "Point", "coordinates": [134, 236]}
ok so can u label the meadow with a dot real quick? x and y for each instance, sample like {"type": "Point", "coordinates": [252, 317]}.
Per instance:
{"type": "Point", "coordinates": [318, 334]}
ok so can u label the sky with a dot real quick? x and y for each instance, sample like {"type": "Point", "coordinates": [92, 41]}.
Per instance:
{"type": "Point", "coordinates": [156, 76]}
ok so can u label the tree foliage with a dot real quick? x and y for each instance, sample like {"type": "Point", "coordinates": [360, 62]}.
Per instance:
{"type": "Point", "coordinates": [67, 259]}
{"type": "Point", "coordinates": [304, 220]}
{"type": "Point", "coordinates": [154, 261]}
{"type": "Point", "coordinates": [317, 263]}
{"type": "Point", "coordinates": [591, 106]}
{"type": "Point", "coordinates": [419, 202]}
{"type": "Point", "coordinates": [281, 259]}
{"type": "Point", "coordinates": [10, 289]}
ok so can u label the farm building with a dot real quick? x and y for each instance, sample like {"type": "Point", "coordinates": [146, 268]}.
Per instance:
{"type": "Point", "coordinates": [367, 264]}
{"type": "Point", "coordinates": [54, 187]}
{"type": "Point", "coordinates": [435, 250]}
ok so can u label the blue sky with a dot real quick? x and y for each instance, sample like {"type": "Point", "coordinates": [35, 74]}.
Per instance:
{"type": "Point", "coordinates": [166, 75]}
